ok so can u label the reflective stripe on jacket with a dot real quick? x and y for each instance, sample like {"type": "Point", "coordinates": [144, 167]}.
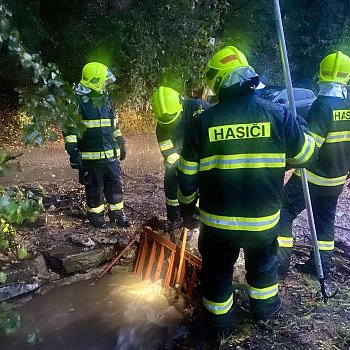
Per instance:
{"type": "Point", "coordinates": [236, 153]}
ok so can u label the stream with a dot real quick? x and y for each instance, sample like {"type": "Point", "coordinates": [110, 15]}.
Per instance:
{"type": "Point", "coordinates": [119, 312]}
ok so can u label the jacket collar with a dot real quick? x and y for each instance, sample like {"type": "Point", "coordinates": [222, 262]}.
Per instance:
{"type": "Point", "coordinates": [333, 90]}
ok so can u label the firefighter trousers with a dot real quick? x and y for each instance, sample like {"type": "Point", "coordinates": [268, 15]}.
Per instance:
{"type": "Point", "coordinates": [102, 181]}
{"type": "Point", "coordinates": [220, 250]}
{"type": "Point", "coordinates": [170, 190]}
{"type": "Point", "coordinates": [324, 203]}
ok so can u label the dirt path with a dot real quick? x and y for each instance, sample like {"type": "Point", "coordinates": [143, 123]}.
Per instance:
{"type": "Point", "coordinates": [51, 163]}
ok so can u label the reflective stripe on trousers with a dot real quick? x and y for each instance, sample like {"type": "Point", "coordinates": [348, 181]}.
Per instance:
{"type": "Point", "coordinates": [262, 293]}
{"type": "Point", "coordinates": [116, 206]}
{"type": "Point", "coordinates": [285, 242]}
{"type": "Point", "coordinates": [97, 210]}
{"type": "Point", "coordinates": [218, 308]}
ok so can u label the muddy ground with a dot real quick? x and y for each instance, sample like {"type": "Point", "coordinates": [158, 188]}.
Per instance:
{"type": "Point", "coordinates": [305, 322]}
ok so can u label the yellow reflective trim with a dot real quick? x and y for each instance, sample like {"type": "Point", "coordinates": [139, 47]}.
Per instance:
{"type": "Point", "coordinates": [97, 123]}
{"type": "Point", "coordinates": [186, 199]}
{"type": "Point", "coordinates": [116, 206]}
{"type": "Point", "coordinates": [243, 161]}
{"type": "Point", "coordinates": [325, 245]}
{"type": "Point", "coordinates": [188, 168]}
{"type": "Point", "coordinates": [318, 139]}
{"type": "Point", "coordinates": [322, 181]}
{"type": "Point", "coordinates": [218, 308]}
{"type": "Point", "coordinates": [70, 138]}
{"type": "Point", "coordinates": [118, 152]}
{"type": "Point", "coordinates": [97, 155]}
{"type": "Point", "coordinates": [117, 133]}
{"type": "Point", "coordinates": [239, 131]}
{"type": "Point", "coordinates": [239, 223]}
{"type": "Point", "coordinates": [341, 136]}
{"type": "Point", "coordinates": [262, 293]}
{"type": "Point", "coordinates": [97, 210]}
{"type": "Point", "coordinates": [172, 158]}
{"type": "Point", "coordinates": [341, 115]}
{"type": "Point", "coordinates": [165, 145]}
{"type": "Point", "coordinates": [306, 152]}
{"type": "Point", "coordinates": [285, 242]}
{"type": "Point", "coordinates": [172, 202]}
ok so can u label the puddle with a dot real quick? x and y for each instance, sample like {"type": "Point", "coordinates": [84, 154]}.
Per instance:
{"type": "Point", "coordinates": [120, 312]}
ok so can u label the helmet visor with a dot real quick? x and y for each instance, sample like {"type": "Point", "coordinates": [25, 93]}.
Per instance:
{"type": "Point", "coordinates": [168, 118]}
{"type": "Point", "coordinates": [110, 79]}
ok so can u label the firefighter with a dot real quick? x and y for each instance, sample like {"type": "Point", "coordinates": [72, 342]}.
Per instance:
{"type": "Point", "coordinates": [236, 154]}
{"type": "Point", "coordinates": [173, 115]}
{"type": "Point", "coordinates": [329, 123]}
{"type": "Point", "coordinates": [96, 155]}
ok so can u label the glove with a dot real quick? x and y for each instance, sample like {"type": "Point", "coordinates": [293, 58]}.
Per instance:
{"type": "Point", "coordinates": [190, 215]}
{"type": "Point", "coordinates": [121, 145]}
{"type": "Point", "coordinates": [75, 160]}
{"type": "Point", "coordinates": [191, 222]}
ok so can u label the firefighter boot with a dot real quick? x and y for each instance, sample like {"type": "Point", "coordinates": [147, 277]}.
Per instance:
{"type": "Point", "coordinates": [118, 217]}
{"type": "Point", "coordinates": [97, 220]}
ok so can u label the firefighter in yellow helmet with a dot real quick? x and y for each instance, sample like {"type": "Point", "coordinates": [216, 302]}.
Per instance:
{"type": "Point", "coordinates": [98, 152]}
{"type": "Point", "coordinates": [173, 115]}
{"type": "Point", "coordinates": [329, 123]}
{"type": "Point", "coordinates": [235, 154]}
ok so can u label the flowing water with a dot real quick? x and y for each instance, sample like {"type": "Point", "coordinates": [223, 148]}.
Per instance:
{"type": "Point", "coordinates": [120, 312]}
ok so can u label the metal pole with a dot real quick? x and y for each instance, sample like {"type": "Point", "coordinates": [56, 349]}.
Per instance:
{"type": "Point", "coordinates": [288, 82]}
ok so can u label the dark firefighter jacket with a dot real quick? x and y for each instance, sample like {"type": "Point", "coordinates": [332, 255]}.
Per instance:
{"type": "Point", "coordinates": [236, 153]}
{"type": "Point", "coordinates": [102, 140]}
{"type": "Point", "coordinates": [329, 123]}
{"type": "Point", "coordinates": [170, 140]}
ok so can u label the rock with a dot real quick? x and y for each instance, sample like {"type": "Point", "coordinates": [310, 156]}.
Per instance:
{"type": "Point", "coordinates": [83, 240]}
{"type": "Point", "coordinates": [25, 277]}
{"type": "Point", "coordinates": [69, 259]}
{"type": "Point", "coordinates": [121, 268]}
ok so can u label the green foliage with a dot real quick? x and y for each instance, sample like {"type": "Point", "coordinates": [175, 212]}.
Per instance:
{"type": "Point", "coordinates": [50, 100]}
{"type": "Point", "coordinates": [9, 320]}
{"type": "Point", "coordinates": [16, 206]}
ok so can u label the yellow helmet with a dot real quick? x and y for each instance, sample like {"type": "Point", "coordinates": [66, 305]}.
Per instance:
{"type": "Point", "coordinates": [96, 76]}
{"type": "Point", "coordinates": [335, 68]}
{"type": "Point", "coordinates": [222, 64]}
{"type": "Point", "coordinates": [167, 105]}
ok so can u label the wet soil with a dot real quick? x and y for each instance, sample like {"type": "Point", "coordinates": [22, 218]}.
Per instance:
{"type": "Point", "coordinates": [304, 322]}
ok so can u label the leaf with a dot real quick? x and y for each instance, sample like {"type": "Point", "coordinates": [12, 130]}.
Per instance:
{"type": "Point", "coordinates": [53, 136]}
{"type": "Point", "coordinates": [22, 253]}
{"type": "Point", "coordinates": [3, 277]}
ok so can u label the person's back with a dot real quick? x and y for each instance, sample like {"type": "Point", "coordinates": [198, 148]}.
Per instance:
{"type": "Point", "coordinates": [174, 115]}
{"type": "Point", "coordinates": [329, 123]}
{"type": "Point", "coordinates": [243, 155]}
{"type": "Point", "coordinates": [235, 154]}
